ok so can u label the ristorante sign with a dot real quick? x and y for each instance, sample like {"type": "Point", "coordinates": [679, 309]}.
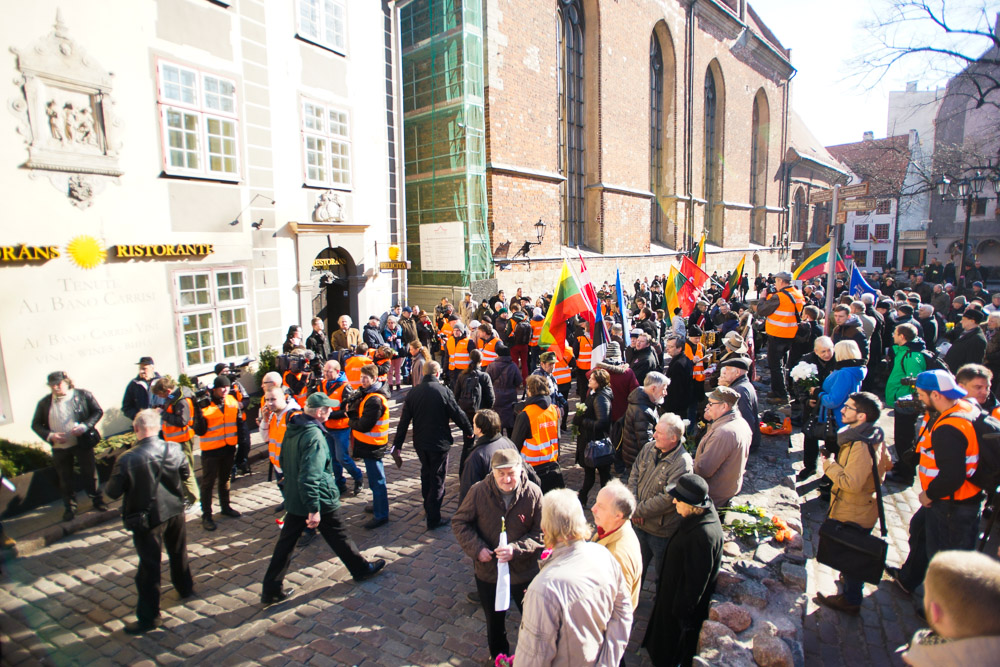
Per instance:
{"type": "Point", "coordinates": [87, 252]}
{"type": "Point", "coordinates": [184, 250]}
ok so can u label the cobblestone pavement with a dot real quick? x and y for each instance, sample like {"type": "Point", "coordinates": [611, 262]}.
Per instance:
{"type": "Point", "coordinates": [888, 619]}
{"type": "Point", "coordinates": [67, 603]}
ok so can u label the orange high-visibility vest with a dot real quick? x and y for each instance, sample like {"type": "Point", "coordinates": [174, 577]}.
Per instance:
{"type": "Point", "coordinates": [379, 435]}
{"type": "Point", "coordinates": [276, 427]}
{"type": "Point", "coordinates": [690, 351]}
{"type": "Point", "coordinates": [782, 322]}
{"type": "Point", "coordinates": [489, 350]}
{"type": "Point", "coordinates": [335, 390]}
{"type": "Point", "coordinates": [583, 361]}
{"type": "Point", "coordinates": [996, 412]}
{"type": "Point", "coordinates": [543, 445]}
{"type": "Point", "coordinates": [352, 369]}
{"type": "Point", "coordinates": [536, 332]}
{"type": "Point", "coordinates": [562, 372]}
{"type": "Point", "coordinates": [221, 425]}
{"type": "Point", "coordinates": [458, 354]}
{"type": "Point", "coordinates": [303, 394]}
{"type": "Point", "coordinates": [928, 470]}
{"type": "Point", "coordinates": [179, 433]}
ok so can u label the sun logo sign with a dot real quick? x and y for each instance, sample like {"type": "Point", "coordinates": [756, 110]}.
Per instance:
{"type": "Point", "coordinates": [86, 252]}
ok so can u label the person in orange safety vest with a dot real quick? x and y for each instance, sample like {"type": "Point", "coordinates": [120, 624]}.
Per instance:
{"type": "Point", "coordinates": [218, 450]}
{"type": "Point", "coordinates": [368, 415]}
{"type": "Point", "coordinates": [536, 434]}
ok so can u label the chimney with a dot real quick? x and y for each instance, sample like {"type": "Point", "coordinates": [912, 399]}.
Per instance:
{"type": "Point", "coordinates": [911, 86]}
{"type": "Point", "coordinates": [868, 136]}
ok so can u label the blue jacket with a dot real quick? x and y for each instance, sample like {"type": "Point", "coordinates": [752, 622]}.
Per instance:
{"type": "Point", "coordinates": [839, 385]}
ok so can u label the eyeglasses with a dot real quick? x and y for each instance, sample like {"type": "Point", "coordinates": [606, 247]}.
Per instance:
{"type": "Point", "coordinates": [716, 403]}
{"type": "Point", "coordinates": [850, 407]}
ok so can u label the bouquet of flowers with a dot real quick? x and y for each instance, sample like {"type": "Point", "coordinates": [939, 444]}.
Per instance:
{"type": "Point", "coordinates": [805, 376]}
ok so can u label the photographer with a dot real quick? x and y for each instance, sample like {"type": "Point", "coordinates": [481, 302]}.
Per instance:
{"type": "Point", "coordinates": [298, 376]}
{"type": "Point", "coordinates": [242, 396]}
{"type": "Point", "coordinates": [177, 414]}
{"type": "Point", "coordinates": [907, 361]}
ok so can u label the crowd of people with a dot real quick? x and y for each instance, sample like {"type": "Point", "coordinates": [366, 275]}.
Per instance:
{"type": "Point", "coordinates": [664, 418]}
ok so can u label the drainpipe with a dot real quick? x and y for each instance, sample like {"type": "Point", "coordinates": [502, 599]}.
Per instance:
{"type": "Point", "coordinates": [689, 122]}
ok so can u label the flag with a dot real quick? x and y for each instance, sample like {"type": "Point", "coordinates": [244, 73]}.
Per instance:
{"type": "Point", "coordinates": [567, 300]}
{"type": "Point", "coordinates": [598, 330]}
{"type": "Point", "coordinates": [734, 280]}
{"type": "Point", "coordinates": [620, 296]}
{"type": "Point", "coordinates": [815, 264]}
{"type": "Point", "coordinates": [675, 281]}
{"type": "Point", "coordinates": [700, 254]}
{"type": "Point", "coordinates": [859, 285]}
{"type": "Point", "coordinates": [689, 293]}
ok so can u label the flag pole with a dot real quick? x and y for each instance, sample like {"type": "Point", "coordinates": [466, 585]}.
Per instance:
{"type": "Point", "coordinates": [831, 259]}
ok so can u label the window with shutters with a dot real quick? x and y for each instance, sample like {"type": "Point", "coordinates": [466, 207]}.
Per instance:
{"type": "Point", "coordinates": [213, 315]}
{"type": "Point", "coordinates": [326, 145]}
{"type": "Point", "coordinates": [199, 122]}
{"type": "Point", "coordinates": [323, 22]}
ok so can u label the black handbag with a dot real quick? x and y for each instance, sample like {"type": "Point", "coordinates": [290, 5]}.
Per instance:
{"type": "Point", "coordinates": [821, 429]}
{"type": "Point", "coordinates": [141, 520]}
{"type": "Point", "coordinates": [599, 453]}
{"type": "Point", "coordinates": [852, 549]}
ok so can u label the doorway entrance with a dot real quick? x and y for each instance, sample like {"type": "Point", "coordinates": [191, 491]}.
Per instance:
{"type": "Point", "coordinates": [331, 273]}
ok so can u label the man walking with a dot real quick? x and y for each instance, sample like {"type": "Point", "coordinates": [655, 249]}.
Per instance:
{"type": "Point", "coordinates": [311, 500]}
{"type": "Point", "coordinates": [368, 418]}
{"type": "Point", "coordinates": [151, 477]}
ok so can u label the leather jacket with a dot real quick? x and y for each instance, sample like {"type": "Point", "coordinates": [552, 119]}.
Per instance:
{"type": "Point", "coordinates": [86, 411]}
{"type": "Point", "coordinates": [135, 472]}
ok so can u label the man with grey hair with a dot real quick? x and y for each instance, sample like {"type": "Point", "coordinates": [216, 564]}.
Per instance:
{"type": "Point", "coordinates": [644, 357]}
{"type": "Point", "coordinates": [660, 463]}
{"type": "Point", "coordinates": [151, 477]}
{"type": "Point", "coordinates": [928, 324]}
{"type": "Point", "coordinates": [721, 457]}
{"type": "Point", "coordinates": [641, 415]}
{"type": "Point", "coordinates": [578, 610]}
{"type": "Point", "coordinates": [612, 510]}
{"type": "Point", "coordinates": [733, 374]}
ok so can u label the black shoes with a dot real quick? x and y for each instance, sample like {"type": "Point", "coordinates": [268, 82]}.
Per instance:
{"type": "Point", "coordinates": [894, 576]}
{"type": "Point", "coordinates": [307, 538]}
{"type": "Point", "coordinates": [279, 596]}
{"type": "Point", "coordinates": [230, 512]}
{"type": "Point", "coordinates": [99, 505]}
{"type": "Point", "coordinates": [444, 521]}
{"type": "Point", "coordinates": [374, 568]}
{"type": "Point", "coordinates": [375, 523]}
{"type": "Point", "coordinates": [139, 628]}
{"type": "Point", "coordinates": [805, 474]}
{"type": "Point", "coordinates": [68, 515]}
{"type": "Point", "coordinates": [358, 485]}
{"type": "Point", "coordinates": [207, 523]}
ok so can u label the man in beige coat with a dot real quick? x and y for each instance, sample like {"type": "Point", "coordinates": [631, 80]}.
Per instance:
{"type": "Point", "coordinates": [613, 508]}
{"type": "Point", "coordinates": [346, 337]}
{"type": "Point", "coordinates": [721, 457]}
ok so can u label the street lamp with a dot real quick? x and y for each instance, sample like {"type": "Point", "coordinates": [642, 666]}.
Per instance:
{"type": "Point", "coordinates": [526, 247]}
{"type": "Point", "coordinates": [968, 190]}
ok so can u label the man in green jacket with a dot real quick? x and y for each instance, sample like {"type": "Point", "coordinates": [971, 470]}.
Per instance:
{"type": "Point", "coordinates": [908, 361]}
{"type": "Point", "coordinates": [311, 500]}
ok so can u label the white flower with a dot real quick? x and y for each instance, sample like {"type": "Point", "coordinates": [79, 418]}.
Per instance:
{"type": "Point", "coordinates": [804, 372]}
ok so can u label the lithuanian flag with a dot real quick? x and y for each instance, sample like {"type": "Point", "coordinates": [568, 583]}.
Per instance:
{"type": "Point", "coordinates": [567, 300]}
{"type": "Point", "coordinates": [734, 279]}
{"type": "Point", "coordinates": [670, 291]}
{"type": "Point", "coordinates": [700, 255]}
{"type": "Point", "coordinates": [815, 265]}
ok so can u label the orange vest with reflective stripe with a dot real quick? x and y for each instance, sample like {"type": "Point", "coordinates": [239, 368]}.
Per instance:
{"type": "Point", "coordinates": [379, 435]}
{"type": "Point", "coordinates": [221, 425]}
{"type": "Point", "coordinates": [303, 394]}
{"type": "Point", "coordinates": [698, 372]}
{"type": "Point", "coordinates": [276, 435]}
{"type": "Point", "coordinates": [489, 350]}
{"type": "Point", "coordinates": [782, 322]}
{"type": "Point", "coordinates": [543, 445]}
{"type": "Point", "coordinates": [536, 331]}
{"type": "Point", "coordinates": [352, 369]}
{"type": "Point", "coordinates": [179, 433]}
{"type": "Point", "coordinates": [562, 372]}
{"type": "Point", "coordinates": [458, 354]}
{"type": "Point", "coordinates": [583, 361]}
{"type": "Point", "coordinates": [928, 470]}
{"type": "Point", "coordinates": [335, 390]}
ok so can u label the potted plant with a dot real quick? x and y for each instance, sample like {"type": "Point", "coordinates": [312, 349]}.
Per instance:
{"type": "Point", "coordinates": [30, 470]}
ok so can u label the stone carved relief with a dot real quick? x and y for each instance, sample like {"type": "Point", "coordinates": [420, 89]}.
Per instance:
{"type": "Point", "coordinates": [66, 116]}
{"type": "Point", "coordinates": [329, 207]}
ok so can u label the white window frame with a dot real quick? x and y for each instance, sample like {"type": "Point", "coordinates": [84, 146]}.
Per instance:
{"type": "Point", "coordinates": [321, 36]}
{"type": "Point", "coordinates": [215, 307]}
{"type": "Point", "coordinates": [331, 138]}
{"type": "Point", "coordinates": [204, 114]}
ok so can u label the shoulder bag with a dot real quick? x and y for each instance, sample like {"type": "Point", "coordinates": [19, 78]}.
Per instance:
{"type": "Point", "coordinates": [599, 453]}
{"type": "Point", "coordinates": [852, 549]}
{"type": "Point", "coordinates": [141, 520]}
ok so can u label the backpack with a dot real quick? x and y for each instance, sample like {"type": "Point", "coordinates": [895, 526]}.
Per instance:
{"type": "Point", "coordinates": [987, 475]}
{"type": "Point", "coordinates": [471, 394]}
{"type": "Point", "coordinates": [932, 360]}
{"type": "Point", "coordinates": [522, 333]}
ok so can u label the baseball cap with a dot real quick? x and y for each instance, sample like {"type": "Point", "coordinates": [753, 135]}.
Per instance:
{"type": "Point", "coordinates": [318, 399]}
{"type": "Point", "coordinates": [407, 309]}
{"type": "Point", "coordinates": [784, 275]}
{"type": "Point", "coordinates": [942, 382]}
{"type": "Point", "coordinates": [145, 361]}
{"type": "Point", "coordinates": [56, 377]}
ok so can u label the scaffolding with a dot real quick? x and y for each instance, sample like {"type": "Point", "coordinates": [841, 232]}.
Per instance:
{"type": "Point", "coordinates": [444, 134]}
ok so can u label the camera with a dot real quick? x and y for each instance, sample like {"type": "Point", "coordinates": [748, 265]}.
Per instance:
{"type": "Point", "coordinates": [295, 363]}
{"type": "Point", "coordinates": [202, 397]}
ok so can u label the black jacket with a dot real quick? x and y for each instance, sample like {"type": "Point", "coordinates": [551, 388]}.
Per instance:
{"type": "Point", "coordinates": [851, 330]}
{"type": "Point", "coordinates": [86, 411]}
{"type": "Point", "coordinates": [594, 422]}
{"type": "Point", "coordinates": [486, 396]}
{"type": "Point", "coordinates": [136, 396]}
{"type": "Point", "coordinates": [689, 572]}
{"type": "Point", "coordinates": [477, 466]}
{"type": "Point", "coordinates": [430, 405]}
{"type": "Point", "coordinates": [969, 348]}
{"type": "Point", "coordinates": [372, 336]}
{"type": "Point", "coordinates": [640, 421]}
{"type": "Point", "coordinates": [748, 408]}
{"type": "Point", "coordinates": [134, 476]}
{"type": "Point", "coordinates": [680, 393]}
{"type": "Point", "coordinates": [365, 422]}
{"type": "Point", "coordinates": [506, 377]}
{"type": "Point", "coordinates": [320, 345]}
{"type": "Point", "coordinates": [644, 362]}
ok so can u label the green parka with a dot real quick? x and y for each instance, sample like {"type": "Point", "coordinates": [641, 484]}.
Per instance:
{"type": "Point", "coordinates": [305, 461]}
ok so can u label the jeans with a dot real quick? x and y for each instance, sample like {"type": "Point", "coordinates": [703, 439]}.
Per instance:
{"type": "Point", "coordinates": [214, 468]}
{"type": "Point", "coordinates": [341, 453]}
{"type": "Point", "coordinates": [433, 469]}
{"type": "Point", "coordinates": [854, 590]}
{"type": "Point", "coordinates": [376, 482]}
{"type": "Point", "coordinates": [942, 526]}
{"type": "Point", "coordinates": [62, 460]}
{"type": "Point", "coordinates": [496, 627]}
{"type": "Point", "coordinates": [653, 548]}
{"type": "Point", "coordinates": [171, 534]}
{"type": "Point", "coordinates": [332, 530]}
{"type": "Point", "coordinates": [777, 356]}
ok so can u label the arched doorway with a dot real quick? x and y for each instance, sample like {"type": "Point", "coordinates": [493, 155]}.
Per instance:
{"type": "Point", "coordinates": [330, 274]}
{"type": "Point", "coordinates": [988, 253]}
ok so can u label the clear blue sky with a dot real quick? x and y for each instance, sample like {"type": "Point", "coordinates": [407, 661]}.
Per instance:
{"type": "Point", "coordinates": [824, 36]}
